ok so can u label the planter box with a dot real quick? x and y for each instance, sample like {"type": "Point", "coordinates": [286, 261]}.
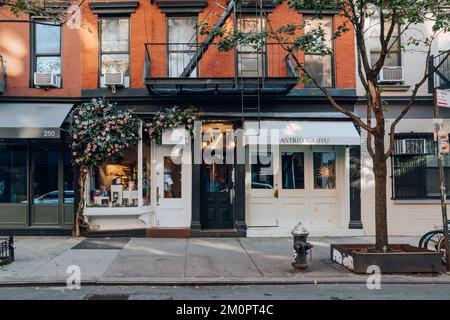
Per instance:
{"type": "Point", "coordinates": [402, 258]}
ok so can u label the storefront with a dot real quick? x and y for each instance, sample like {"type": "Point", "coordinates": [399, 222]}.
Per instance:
{"type": "Point", "coordinates": [147, 187]}
{"type": "Point", "coordinates": [291, 171]}
{"type": "Point", "coordinates": [36, 174]}
{"type": "Point", "coordinates": [299, 171]}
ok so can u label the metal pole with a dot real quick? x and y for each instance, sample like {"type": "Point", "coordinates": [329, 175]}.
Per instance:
{"type": "Point", "coordinates": [442, 187]}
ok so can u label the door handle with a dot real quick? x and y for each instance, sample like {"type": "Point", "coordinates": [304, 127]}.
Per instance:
{"type": "Point", "coordinates": [275, 194]}
{"type": "Point", "coordinates": [157, 196]}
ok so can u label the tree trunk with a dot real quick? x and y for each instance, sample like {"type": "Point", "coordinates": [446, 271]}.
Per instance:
{"type": "Point", "coordinates": [380, 172]}
{"type": "Point", "coordinates": [79, 223]}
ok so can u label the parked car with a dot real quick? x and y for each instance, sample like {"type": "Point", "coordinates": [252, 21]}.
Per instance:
{"type": "Point", "coordinates": [52, 197]}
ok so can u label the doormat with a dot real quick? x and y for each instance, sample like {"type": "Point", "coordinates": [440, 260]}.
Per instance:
{"type": "Point", "coordinates": [102, 243]}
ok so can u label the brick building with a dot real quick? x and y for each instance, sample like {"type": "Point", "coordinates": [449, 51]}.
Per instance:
{"type": "Point", "coordinates": [147, 56]}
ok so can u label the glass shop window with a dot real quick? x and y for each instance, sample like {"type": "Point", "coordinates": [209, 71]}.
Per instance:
{"type": "Point", "coordinates": [146, 170]}
{"type": "Point", "coordinates": [293, 170]}
{"type": "Point", "coordinates": [261, 170]}
{"type": "Point", "coordinates": [172, 177]}
{"type": "Point", "coordinates": [324, 170]}
{"type": "Point", "coordinates": [13, 174]}
{"type": "Point", "coordinates": [115, 183]}
{"type": "Point", "coordinates": [69, 194]}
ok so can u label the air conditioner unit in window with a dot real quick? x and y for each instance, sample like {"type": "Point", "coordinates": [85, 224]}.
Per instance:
{"type": "Point", "coordinates": [391, 75]}
{"type": "Point", "coordinates": [47, 80]}
{"type": "Point", "coordinates": [114, 79]}
{"type": "Point", "coordinates": [413, 146]}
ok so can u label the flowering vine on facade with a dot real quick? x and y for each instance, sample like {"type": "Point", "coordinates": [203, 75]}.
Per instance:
{"type": "Point", "coordinates": [171, 118]}
{"type": "Point", "coordinates": [99, 130]}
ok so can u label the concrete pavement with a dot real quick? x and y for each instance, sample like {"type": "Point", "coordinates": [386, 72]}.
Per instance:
{"type": "Point", "coordinates": [298, 292]}
{"type": "Point", "coordinates": [44, 260]}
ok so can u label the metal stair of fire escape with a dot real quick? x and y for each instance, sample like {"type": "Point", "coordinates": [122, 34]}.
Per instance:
{"type": "Point", "coordinates": [203, 47]}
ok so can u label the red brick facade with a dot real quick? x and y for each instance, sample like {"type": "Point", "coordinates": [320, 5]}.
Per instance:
{"type": "Point", "coordinates": [80, 51]}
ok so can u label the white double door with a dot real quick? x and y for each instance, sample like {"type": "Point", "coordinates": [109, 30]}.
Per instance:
{"type": "Point", "coordinates": [172, 187]}
{"type": "Point", "coordinates": [306, 186]}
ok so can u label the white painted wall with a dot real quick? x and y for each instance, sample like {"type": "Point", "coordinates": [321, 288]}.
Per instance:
{"type": "Point", "coordinates": [413, 57]}
{"type": "Point", "coordinates": [411, 218]}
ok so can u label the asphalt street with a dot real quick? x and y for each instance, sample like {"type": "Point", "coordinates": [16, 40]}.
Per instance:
{"type": "Point", "coordinates": [256, 292]}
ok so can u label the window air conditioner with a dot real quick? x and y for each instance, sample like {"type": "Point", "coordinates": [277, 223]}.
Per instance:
{"type": "Point", "coordinates": [47, 80]}
{"type": "Point", "coordinates": [391, 75]}
{"type": "Point", "coordinates": [413, 146]}
{"type": "Point", "coordinates": [114, 79]}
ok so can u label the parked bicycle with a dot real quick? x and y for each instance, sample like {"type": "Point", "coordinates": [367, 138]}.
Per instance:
{"type": "Point", "coordinates": [434, 240]}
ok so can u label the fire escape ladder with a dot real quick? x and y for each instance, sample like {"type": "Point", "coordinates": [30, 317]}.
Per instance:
{"type": "Point", "coordinates": [203, 47]}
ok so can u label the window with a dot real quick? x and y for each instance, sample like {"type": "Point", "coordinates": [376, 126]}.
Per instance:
{"type": "Point", "coordinates": [393, 59]}
{"type": "Point", "coordinates": [68, 176]}
{"type": "Point", "coordinates": [46, 48]}
{"type": "Point", "coordinates": [181, 31]}
{"type": "Point", "coordinates": [261, 170]}
{"type": "Point", "coordinates": [146, 169]}
{"type": "Point", "coordinates": [13, 174]}
{"type": "Point", "coordinates": [293, 170]}
{"type": "Point", "coordinates": [414, 167]}
{"type": "Point", "coordinates": [115, 183]}
{"type": "Point", "coordinates": [320, 67]}
{"type": "Point", "coordinates": [115, 47]}
{"type": "Point", "coordinates": [172, 177]}
{"type": "Point", "coordinates": [251, 60]}
{"type": "Point", "coordinates": [324, 164]}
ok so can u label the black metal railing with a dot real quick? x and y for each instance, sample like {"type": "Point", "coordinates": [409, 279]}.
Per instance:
{"type": "Point", "coordinates": [6, 250]}
{"type": "Point", "coordinates": [169, 60]}
{"type": "Point", "coordinates": [441, 76]}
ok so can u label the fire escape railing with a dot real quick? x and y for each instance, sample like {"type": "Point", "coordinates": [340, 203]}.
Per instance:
{"type": "Point", "coordinates": [439, 77]}
{"type": "Point", "coordinates": [170, 60]}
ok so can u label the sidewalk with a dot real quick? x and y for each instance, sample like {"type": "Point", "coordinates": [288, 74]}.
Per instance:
{"type": "Point", "coordinates": [44, 260]}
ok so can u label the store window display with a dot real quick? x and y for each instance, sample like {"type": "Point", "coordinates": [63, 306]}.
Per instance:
{"type": "Point", "coordinates": [115, 183]}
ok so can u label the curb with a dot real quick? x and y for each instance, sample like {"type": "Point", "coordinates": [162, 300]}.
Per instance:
{"type": "Point", "coordinates": [216, 282]}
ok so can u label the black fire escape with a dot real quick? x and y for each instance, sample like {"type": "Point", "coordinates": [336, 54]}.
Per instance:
{"type": "Point", "coordinates": [440, 79]}
{"type": "Point", "coordinates": [210, 70]}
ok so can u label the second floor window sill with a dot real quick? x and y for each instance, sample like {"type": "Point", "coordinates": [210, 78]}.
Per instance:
{"type": "Point", "coordinates": [416, 201]}
{"type": "Point", "coordinates": [394, 87]}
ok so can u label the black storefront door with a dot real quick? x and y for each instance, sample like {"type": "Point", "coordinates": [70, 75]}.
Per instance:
{"type": "Point", "coordinates": [216, 196]}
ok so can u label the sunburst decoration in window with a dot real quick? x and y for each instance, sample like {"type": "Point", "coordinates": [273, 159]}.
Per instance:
{"type": "Point", "coordinates": [326, 171]}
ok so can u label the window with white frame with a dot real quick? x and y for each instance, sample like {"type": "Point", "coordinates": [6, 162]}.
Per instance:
{"type": "Point", "coordinates": [318, 66]}
{"type": "Point", "coordinates": [46, 49]}
{"type": "Point", "coordinates": [182, 36]}
{"type": "Point", "coordinates": [252, 59]}
{"type": "Point", "coordinates": [393, 59]}
{"type": "Point", "coordinates": [115, 47]}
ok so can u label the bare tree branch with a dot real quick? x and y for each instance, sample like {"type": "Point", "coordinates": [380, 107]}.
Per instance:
{"type": "Point", "coordinates": [427, 74]}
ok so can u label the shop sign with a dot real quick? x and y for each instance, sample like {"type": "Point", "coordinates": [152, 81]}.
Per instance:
{"type": "Point", "coordinates": [443, 98]}
{"type": "Point", "coordinates": [30, 133]}
{"type": "Point", "coordinates": [304, 140]}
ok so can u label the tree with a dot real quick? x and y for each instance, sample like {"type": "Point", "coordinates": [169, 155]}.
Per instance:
{"type": "Point", "coordinates": [99, 131]}
{"type": "Point", "coordinates": [59, 12]}
{"type": "Point", "coordinates": [394, 20]}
